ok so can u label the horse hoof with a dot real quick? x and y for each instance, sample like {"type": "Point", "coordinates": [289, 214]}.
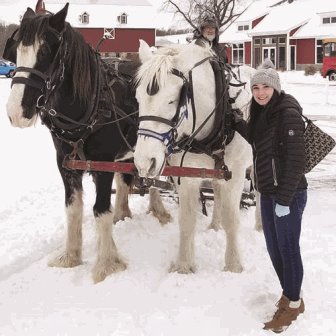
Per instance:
{"type": "Point", "coordinates": [163, 217]}
{"type": "Point", "coordinates": [102, 269]}
{"type": "Point", "coordinates": [182, 268]}
{"type": "Point", "coordinates": [214, 227]}
{"type": "Point", "coordinates": [121, 216]}
{"type": "Point", "coordinates": [234, 268]}
{"type": "Point", "coordinates": [65, 260]}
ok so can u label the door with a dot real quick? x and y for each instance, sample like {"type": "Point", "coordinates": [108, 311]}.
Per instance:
{"type": "Point", "coordinates": [292, 57]}
{"type": "Point", "coordinates": [269, 52]}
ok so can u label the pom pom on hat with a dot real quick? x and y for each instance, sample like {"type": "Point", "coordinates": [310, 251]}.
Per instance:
{"type": "Point", "coordinates": [266, 74]}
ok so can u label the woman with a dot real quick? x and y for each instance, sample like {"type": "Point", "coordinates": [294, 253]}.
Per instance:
{"type": "Point", "coordinates": [275, 131]}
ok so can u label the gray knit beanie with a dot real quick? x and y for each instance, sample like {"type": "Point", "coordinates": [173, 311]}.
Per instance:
{"type": "Point", "coordinates": [266, 74]}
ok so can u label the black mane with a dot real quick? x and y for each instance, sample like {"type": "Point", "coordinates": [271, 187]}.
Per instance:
{"type": "Point", "coordinates": [78, 54]}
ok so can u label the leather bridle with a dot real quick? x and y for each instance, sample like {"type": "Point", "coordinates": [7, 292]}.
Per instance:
{"type": "Point", "coordinates": [186, 93]}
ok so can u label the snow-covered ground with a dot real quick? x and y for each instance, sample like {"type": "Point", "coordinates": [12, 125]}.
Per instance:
{"type": "Point", "coordinates": [146, 300]}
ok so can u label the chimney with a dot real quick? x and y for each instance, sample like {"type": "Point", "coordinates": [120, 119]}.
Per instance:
{"type": "Point", "coordinates": [40, 7]}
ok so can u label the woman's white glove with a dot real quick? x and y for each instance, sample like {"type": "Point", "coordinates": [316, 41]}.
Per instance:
{"type": "Point", "coordinates": [281, 210]}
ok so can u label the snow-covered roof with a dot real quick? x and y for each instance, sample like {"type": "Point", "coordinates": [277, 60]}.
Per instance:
{"type": "Point", "coordinates": [314, 27]}
{"type": "Point", "coordinates": [102, 13]}
{"type": "Point", "coordinates": [281, 19]}
{"type": "Point", "coordinates": [257, 9]}
{"type": "Point", "coordinates": [101, 2]}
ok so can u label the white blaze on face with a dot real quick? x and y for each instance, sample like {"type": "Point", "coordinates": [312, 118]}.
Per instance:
{"type": "Point", "coordinates": [26, 57]}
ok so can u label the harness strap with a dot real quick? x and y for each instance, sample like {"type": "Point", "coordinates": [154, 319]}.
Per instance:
{"type": "Point", "coordinates": [28, 81]}
{"type": "Point", "coordinates": [158, 119]}
{"type": "Point", "coordinates": [33, 71]}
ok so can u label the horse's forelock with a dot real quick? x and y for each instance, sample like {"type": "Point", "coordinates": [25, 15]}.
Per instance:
{"type": "Point", "coordinates": [163, 61]}
{"type": "Point", "coordinates": [32, 29]}
{"type": "Point", "coordinates": [157, 68]}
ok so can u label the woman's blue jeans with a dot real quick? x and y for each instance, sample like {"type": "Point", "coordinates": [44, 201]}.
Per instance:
{"type": "Point", "coordinates": [282, 236]}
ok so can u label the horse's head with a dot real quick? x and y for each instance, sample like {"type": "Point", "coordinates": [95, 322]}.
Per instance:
{"type": "Point", "coordinates": [34, 50]}
{"type": "Point", "coordinates": [163, 93]}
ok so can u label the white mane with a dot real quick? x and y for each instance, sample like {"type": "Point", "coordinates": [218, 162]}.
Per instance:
{"type": "Point", "coordinates": [165, 59]}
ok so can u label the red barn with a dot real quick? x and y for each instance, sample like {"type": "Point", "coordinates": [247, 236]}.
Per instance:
{"type": "Point", "coordinates": [123, 22]}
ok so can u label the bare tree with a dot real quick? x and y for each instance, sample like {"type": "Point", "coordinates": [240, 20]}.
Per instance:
{"type": "Point", "coordinates": [194, 11]}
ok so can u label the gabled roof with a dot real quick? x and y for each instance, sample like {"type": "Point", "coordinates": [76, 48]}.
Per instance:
{"type": "Point", "coordinates": [101, 2]}
{"type": "Point", "coordinates": [314, 27]}
{"type": "Point", "coordinates": [281, 19]}
{"type": "Point", "coordinates": [103, 13]}
{"type": "Point", "coordinates": [284, 18]}
{"type": "Point", "coordinates": [256, 10]}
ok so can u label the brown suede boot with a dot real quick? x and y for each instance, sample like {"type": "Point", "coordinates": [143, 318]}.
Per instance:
{"type": "Point", "coordinates": [283, 301]}
{"type": "Point", "coordinates": [284, 316]}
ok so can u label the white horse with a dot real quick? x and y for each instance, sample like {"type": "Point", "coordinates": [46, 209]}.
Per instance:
{"type": "Point", "coordinates": [165, 72]}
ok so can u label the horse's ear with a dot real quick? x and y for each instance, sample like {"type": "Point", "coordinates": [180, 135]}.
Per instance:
{"type": "Point", "coordinates": [29, 13]}
{"type": "Point", "coordinates": [145, 52]}
{"type": "Point", "coordinates": [57, 21]}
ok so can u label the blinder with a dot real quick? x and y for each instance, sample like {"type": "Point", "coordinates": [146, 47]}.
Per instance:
{"type": "Point", "coordinates": [9, 53]}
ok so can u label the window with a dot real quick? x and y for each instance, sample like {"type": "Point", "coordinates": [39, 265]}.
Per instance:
{"type": "Point", "coordinates": [282, 40]}
{"type": "Point", "coordinates": [257, 41]}
{"type": "Point", "coordinates": [257, 57]}
{"type": "Point", "coordinates": [269, 40]}
{"type": "Point", "coordinates": [122, 19]}
{"type": "Point", "coordinates": [243, 27]}
{"type": "Point", "coordinates": [238, 53]}
{"type": "Point", "coordinates": [327, 20]}
{"type": "Point", "coordinates": [330, 49]}
{"type": "Point", "coordinates": [84, 18]}
{"type": "Point", "coordinates": [282, 58]}
{"type": "Point", "coordinates": [319, 51]}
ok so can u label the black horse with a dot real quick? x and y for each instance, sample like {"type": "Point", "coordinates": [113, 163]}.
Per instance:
{"type": "Point", "coordinates": [90, 109]}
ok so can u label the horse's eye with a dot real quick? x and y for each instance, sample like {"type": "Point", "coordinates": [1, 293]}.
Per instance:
{"type": "Point", "coordinates": [172, 102]}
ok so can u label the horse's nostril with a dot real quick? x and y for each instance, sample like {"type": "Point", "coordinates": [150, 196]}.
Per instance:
{"type": "Point", "coordinates": [10, 119]}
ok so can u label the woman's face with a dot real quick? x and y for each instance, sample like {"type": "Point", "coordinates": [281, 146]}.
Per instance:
{"type": "Point", "coordinates": [262, 93]}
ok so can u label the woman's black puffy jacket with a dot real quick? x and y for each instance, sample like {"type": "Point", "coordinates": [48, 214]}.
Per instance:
{"type": "Point", "coordinates": [278, 150]}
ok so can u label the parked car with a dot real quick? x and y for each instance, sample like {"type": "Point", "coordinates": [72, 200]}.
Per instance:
{"type": "Point", "coordinates": [7, 68]}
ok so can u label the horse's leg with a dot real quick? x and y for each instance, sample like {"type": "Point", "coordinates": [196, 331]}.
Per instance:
{"type": "Point", "coordinates": [72, 255]}
{"type": "Point", "coordinates": [108, 260]}
{"type": "Point", "coordinates": [230, 195]}
{"type": "Point", "coordinates": [188, 193]}
{"type": "Point", "coordinates": [157, 208]}
{"type": "Point", "coordinates": [121, 207]}
{"type": "Point", "coordinates": [216, 222]}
